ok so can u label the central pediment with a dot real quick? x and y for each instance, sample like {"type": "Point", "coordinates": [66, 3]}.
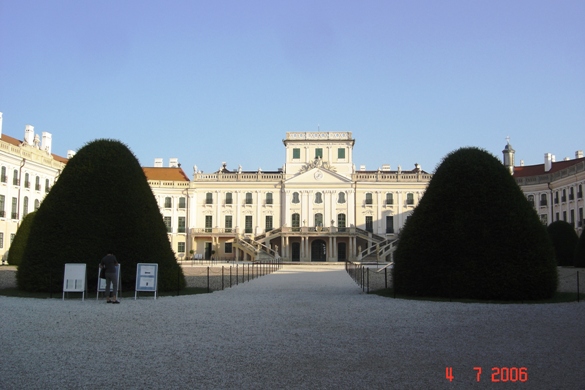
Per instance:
{"type": "Point", "coordinates": [318, 175]}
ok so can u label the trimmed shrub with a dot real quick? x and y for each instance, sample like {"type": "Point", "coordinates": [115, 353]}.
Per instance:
{"type": "Point", "coordinates": [20, 240]}
{"type": "Point", "coordinates": [564, 240]}
{"type": "Point", "coordinates": [474, 235]}
{"type": "Point", "coordinates": [102, 201]}
{"type": "Point", "coordinates": [579, 260]}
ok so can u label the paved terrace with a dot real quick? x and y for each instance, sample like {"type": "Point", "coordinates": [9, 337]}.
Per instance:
{"type": "Point", "coordinates": [303, 327]}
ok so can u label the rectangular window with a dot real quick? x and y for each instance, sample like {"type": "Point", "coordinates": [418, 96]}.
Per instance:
{"type": "Point", "coordinates": [168, 224]}
{"type": "Point", "coordinates": [296, 153]}
{"type": "Point", "coordinates": [410, 199]}
{"type": "Point", "coordinates": [2, 206]}
{"type": "Point", "coordinates": [572, 222]}
{"type": "Point", "coordinates": [228, 247]}
{"type": "Point", "coordinates": [47, 186]}
{"type": "Point", "coordinates": [209, 198]}
{"type": "Point", "coordinates": [571, 194]}
{"type": "Point", "coordinates": [12, 237]}
{"type": "Point", "coordinates": [389, 198]}
{"type": "Point", "coordinates": [182, 202]}
{"type": "Point", "coordinates": [168, 202]}
{"type": "Point", "coordinates": [15, 178]}
{"type": "Point", "coordinates": [565, 216]}
{"type": "Point", "coordinates": [369, 199]}
{"type": "Point", "coordinates": [228, 223]}
{"type": "Point", "coordinates": [319, 153]}
{"type": "Point", "coordinates": [269, 198]}
{"type": "Point", "coordinates": [389, 224]}
{"type": "Point", "coordinates": [556, 216]}
{"type": "Point", "coordinates": [181, 225]}
{"type": "Point", "coordinates": [38, 183]}
{"type": "Point", "coordinates": [3, 177]}
{"type": "Point", "coordinates": [208, 223]}
{"type": "Point", "coordinates": [228, 198]}
{"type": "Point", "coordinates": [341, 222]}
{"type": "Point", "coordinates": [248, 228]}
{"type": "Point", "coordinates": [581, 217]}
{"type": "Point", "coordinates": [248, 198]}
{"type": "Point", "coordinates": [269, 223]}
{"type": "Point", "coordinates": [181, 247]}
{"type": "Point", "coordinates": [369, 223]}
{"type": "Point", "coordinates": [296, 222]}
{"type": "Point", "coordinates": [1, 240]}
{"type": "Point", "coordinates": [341, 153]}
{"type": "Point", "coordinates": [543, 200]}
{"type": "Point", "coordinates": [544, 219]}
{"type": "Point", "coordinates": [14, 208]}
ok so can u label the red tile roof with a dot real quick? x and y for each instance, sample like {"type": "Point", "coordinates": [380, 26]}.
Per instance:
{"type": "Point", "coordinates": [535, 170]}
{"type": "Point", "coordinates": [165, 173]}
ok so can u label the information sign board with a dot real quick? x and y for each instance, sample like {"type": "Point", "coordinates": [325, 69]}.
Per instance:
{"type": "Point", "coordinates": [146, 278]}
{"type": "Point", "coordinates": [74, 279]}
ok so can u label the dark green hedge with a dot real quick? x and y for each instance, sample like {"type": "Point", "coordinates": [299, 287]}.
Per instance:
{"type": "Point", "coordinates": [564, 239]}
{"type": "Point", "coordinates": [474, 235]}
{"type": "Point", "coordinates": [101, 201]}
{"type": "Point", "coordinates": [20, 240]}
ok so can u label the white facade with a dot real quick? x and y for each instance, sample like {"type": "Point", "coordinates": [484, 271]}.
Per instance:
{"type": "Point", "coordinates": [555, 188]}
{"type": "Point", "coordinates": [27, 172]}
{"type": "Point", "coordinates": [317, 208]}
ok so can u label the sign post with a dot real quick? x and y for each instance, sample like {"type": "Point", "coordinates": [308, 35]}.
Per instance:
{"type": "Point", "coordinates": [74, 279]}
{"type": "Point", "coordinates": [146, 278]}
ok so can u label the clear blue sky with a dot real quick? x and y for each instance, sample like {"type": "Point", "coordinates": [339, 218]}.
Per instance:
{"type": "Point", "coordinates": [213, 81]}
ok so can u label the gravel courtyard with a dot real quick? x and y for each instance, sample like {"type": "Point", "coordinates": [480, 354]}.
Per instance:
{"type": "Point", "coordinates": [302, 327]}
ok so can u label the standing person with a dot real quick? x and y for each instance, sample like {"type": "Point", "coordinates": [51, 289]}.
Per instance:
{"type": "Point", "coordinates": [108, 266]}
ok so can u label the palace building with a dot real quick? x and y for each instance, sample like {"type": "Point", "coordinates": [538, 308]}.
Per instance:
{"type": "Point", "coordinates": [317, 207]}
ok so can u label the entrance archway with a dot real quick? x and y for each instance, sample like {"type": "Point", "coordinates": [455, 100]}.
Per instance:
{"type": "Point", "coordinates": [318, 251]}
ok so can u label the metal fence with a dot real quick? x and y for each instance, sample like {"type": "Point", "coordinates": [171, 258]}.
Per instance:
{"type": "Point", "coordinates": [215, 278]}
{"type": "Point", "coordinates": [374, 277]}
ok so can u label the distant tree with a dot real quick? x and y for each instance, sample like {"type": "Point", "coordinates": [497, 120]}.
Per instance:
{"type": "Point", "coordinates": [102, 201]}
{"type": "Point", "coordinates": [564, 240]}
{"type": "Point", "coordinates": [20, 240]}
{"type": "Point", "coordinates": [579, 260]}
{"type": "Point", "coordinates": [474, 235]}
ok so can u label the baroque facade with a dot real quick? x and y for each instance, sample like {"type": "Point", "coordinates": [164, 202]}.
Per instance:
{"type": "Point", "coordinates": [28, 170]}
{"type": "Point", "coordinates": [318, 207]}
{"type": "Point", "coordinates": [554, 188]}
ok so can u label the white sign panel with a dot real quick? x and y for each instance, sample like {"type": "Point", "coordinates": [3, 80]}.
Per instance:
{"type": "Point", "coordinates": [146, 277]}
{"type": "Point", "coordinates": [74, 278]}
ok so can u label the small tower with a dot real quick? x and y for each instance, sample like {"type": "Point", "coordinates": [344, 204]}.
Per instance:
{"type": "Point", "coordinates": [509, 156]}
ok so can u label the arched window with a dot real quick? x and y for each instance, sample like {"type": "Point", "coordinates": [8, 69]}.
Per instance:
{"type": "Point", "coordinates": [295, 198]}
{"type": "Point", "coordinates": [26, 180]}
{"type": "Point", "coordinates": [37, 204]}
{"type": "Point", "coordinates": [3, 177]}
{"type": "Point", "coordinates": [25, 207]}
{"type": "Point", "coordinates": [38, 183]}
{"type": "Point", "coordinates": [318, 220]}
{"type": "Point", "coordinates": [318, 198]}
{"type": "Point", "coordinates": [209, 198]}
{"type": "Point", "coordinates": [269, 198]}
{"type": "Point", "coordinates": [249, 198]}
{"type": "Point", "coordinates": [531, 200]}
{"type": "Point", "coordinates": [543, 200]}
{"type": "Point", "coordinates": [341, 197]}
{"type": "Point", "coordinates": [15, 177]}
{"type": "Point", "coordinates": [168, 202]}
{"type": "Point", "coordinates": [47, 187]}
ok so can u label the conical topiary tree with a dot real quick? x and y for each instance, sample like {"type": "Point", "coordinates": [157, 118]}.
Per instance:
{"type": "Point", "coordinates": [564, 240]}
{"type": "Point", "coordinates": [20, 239]}
{"type": "Point", "coordinates": [102, 201]}
{"type": "Point", "coordinates": [579, 260]}
{"type": "Point", "coordinates": [474, 235]}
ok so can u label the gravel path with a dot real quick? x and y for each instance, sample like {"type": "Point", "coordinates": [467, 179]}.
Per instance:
{"type": "Point", "coordinates": [303, 327]}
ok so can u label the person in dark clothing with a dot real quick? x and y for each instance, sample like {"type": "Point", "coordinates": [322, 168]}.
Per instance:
{"type": "Point", "coordinates": [108, 266]}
